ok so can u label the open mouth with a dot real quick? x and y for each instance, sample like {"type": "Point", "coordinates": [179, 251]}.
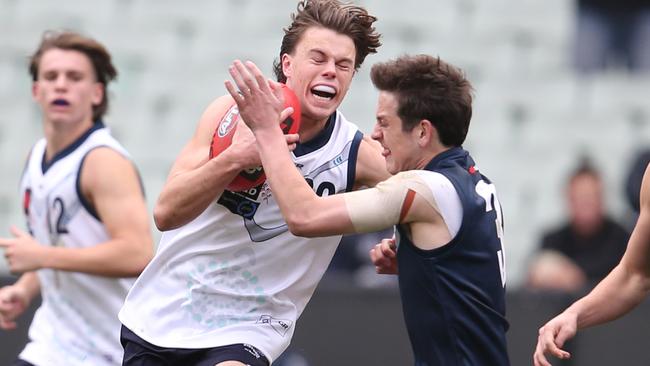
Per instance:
{"type": "Point", "coordinates": [60, 102]}
{"type": "Point", "coordinates": [324, 92]}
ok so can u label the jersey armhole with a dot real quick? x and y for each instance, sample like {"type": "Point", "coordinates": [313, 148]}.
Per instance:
{"type": "Point", "coordinates": [352, 160]}
{"type": "Point", "coordinates": [84, 202]}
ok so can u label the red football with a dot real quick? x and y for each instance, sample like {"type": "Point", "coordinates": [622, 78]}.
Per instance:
{"type": "Point", "coordinates": [225, 130]}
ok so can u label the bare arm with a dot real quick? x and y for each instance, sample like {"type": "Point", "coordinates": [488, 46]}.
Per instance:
{"type": "Point", "coordinates": [371, 166]}
{"type": "Point", "coordinates": [110, 183]}
{"type": "Point", "coordinates": [195, 181]}
{"type": "Point", "coordinates": [261, 105]}
{"type": "Point", "coordinates": [629, 283]}
{"type": "Point", "coordinates": [623, 289]}
{"type": "Point", "coordinates": [30, 284]}
{"type": "Point", "coordinates": [14, 299]}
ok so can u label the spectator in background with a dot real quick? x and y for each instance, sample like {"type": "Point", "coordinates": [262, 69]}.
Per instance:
{"type": "Point", "coordinates": [582, 251]}
{"type": "Point", "coordinates": [612, 32]}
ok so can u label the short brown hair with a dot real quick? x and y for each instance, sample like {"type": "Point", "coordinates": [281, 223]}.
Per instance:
{"type": "Point", "coordinates": [428, 88]}
{"type": "Point", "coordinates": [347, 19]}
{"type": "Point", "coordinates": [99, 57]}
{"type": "Point", "coordinates": [585, 167]}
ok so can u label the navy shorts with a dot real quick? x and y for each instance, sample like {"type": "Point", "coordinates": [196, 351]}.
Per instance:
{"type": "Point", "coordinates": [20, 362]}
{"type": "Point", "coordinates": [138, 352]}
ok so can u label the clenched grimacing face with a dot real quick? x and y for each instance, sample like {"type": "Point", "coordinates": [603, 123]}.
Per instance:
{"type": "Point", "coordinates": [320, 71]}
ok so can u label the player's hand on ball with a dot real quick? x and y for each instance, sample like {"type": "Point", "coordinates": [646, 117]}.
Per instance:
{"type": "Point", "coordinates": [260, 101]}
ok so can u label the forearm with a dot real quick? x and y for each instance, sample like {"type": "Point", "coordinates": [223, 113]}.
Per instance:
{"type": "Point", "coordinates": [114, 258]}
{"type": "Point", "coordinates": [617, 294]}
{"type": "Point", "coordinates": [294, 196]}
{"type": "Point", "coordinates": [30, 284]}
{"type": "Point", "coordinates": [186, 195]}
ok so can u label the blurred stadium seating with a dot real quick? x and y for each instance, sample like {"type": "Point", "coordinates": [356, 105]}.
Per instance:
{"type": "Point", "coordinates": [533, 116]}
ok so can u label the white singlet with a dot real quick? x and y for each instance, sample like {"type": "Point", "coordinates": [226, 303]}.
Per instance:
{"type": "Point", "coordinates": [235, 274]}
{"type": "Point", "coordinates": [77, 322]}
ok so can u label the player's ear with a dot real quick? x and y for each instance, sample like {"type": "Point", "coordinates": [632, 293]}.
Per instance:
{"type": "Point", "coordinates": [425, 133]}
{"type": "Point", "coordinates": [35, 89]}
{"type": "Point", "coordinates": [287, 64]}
{"type": "Point", "coordinates": [98, 94]}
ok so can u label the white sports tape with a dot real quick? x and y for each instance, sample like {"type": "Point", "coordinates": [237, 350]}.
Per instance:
{"type": "Point", "coordinates": [380, 207]}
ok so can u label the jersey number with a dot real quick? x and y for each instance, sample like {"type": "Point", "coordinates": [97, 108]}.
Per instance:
{"type": "Point", "coordinates": [322, 188]}
{"type": "Point", "coordinates": [489, 193]}
{"type": "Point", "coordinates": [60, 227]}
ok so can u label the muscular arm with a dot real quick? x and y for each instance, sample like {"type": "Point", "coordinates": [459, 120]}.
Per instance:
{"type": "Point", "coordinates": [371, 166]}
{"type": "Point", "coordinates": [195, 181]}
{"type": "Point", "coordinates": [110, 183]}
{"type": "Point", "coordinates": [629, 283]}
{"type": "Point", "coordinates": [306, 214]}
{"type": "Point", "coordinates": [623, 289]}
{"type": "Point", "coordinates": [400, 199]}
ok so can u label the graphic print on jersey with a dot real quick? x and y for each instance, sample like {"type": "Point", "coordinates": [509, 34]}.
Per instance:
{"type": "Point", "coordinates": [218, 311]}
{"type": "Point", "coordinates": [246, 204]}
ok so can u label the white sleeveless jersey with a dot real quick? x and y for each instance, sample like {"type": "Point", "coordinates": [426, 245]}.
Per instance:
{"type": "Point", "coordinates": [235, 274]}
{"type": "Point", "coordinates": [77, 322]}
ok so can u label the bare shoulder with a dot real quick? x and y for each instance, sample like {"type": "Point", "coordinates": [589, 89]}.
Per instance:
{"type": "Point", "coordinates": [213, 113]}
{"type": "Point", "coordinates": [371, 166]}
{"type": "Point", "coordinates": [107, 167]}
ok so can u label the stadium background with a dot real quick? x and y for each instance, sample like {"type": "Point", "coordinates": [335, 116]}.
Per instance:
{"type": "Point", "coordinates": [533, 115]}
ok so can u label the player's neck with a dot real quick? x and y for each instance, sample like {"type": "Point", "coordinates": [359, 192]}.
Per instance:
{"type": "Point", "coordinates": [309, 128]}
{"type": "Point", "coordinates": [61, 135]}
{"type": "Point", "coordinates": [429, 154]}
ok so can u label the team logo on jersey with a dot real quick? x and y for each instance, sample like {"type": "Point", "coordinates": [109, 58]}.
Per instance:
{"type": "Point", "coordinates": [281, 326]}
{"type": "Point", "coordinates": [240, 203]}
{"type": "Point", "coordinates": [246, 204]}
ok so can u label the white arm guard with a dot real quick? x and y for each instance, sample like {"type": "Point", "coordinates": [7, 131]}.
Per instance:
{"type": "Point", "coordinates": [381, 207]}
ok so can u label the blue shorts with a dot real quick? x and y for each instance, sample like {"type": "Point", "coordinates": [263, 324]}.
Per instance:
{"type": "Point", "coordinates": [20, 362]}
{"type": "Point", "coordinates": [138, 352]}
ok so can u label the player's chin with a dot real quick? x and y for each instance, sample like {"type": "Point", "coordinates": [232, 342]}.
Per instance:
{"type": "Point", "coordinates": [318, 113]}
{"type": "Point", "coordinates": [391, 167]}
